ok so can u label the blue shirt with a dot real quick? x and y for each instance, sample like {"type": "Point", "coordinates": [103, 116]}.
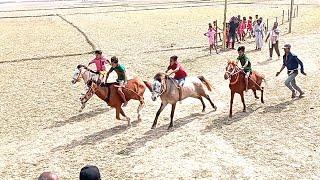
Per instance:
{"type": "Point", "coordinates": [292, 63]}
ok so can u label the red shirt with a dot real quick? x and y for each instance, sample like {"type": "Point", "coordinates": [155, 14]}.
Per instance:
{"type": "Point", "coordinates": [181, 72]}
{"type": "Point", "coordinates": [100, 63]}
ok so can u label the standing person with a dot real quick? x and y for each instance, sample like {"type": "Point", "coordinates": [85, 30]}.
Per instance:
{"type": "Point", "coordinates": [256, 19]}
{"type": "Point", "coordinates": [292, 63]}
{"type": "Point", "coordinates": [249, 27]}
{"type": "Point", "coordinates": [237, 21]}
{"type": "Point", "coordinates": [122, 77]}
{"type": "Point", "coordinates": [48, 176]}
{"type": "Point", "coordinates": [218, 30]}
{"type": "Point", "coordinates": [258, 33]}
{"type": "Point", "coordinates": [211, 34]}
{"type": "Point", "coordinates": [245, 64]}
{"type": "Point", "coordinates": [179, 72]}
{"type": "Point", "coordinates": [233, 31]}
{"type": "Point", "coordinates": [89, 172]}
{"type": "Point", "coordinates": [264, 27]}
{"type": "Point", "coordinates": [100, 63]}
{"type": "Point", "coordinates": [274, 40]}
{"type": "Point", "coordinates": [227, 35]}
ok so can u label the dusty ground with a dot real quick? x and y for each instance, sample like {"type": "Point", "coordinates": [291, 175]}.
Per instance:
{"type": "Point", "coordinates": [42, 130]}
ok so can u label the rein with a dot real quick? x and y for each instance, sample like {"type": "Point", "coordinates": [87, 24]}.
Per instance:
{"type": "Point", "coordinates": [232, 73]}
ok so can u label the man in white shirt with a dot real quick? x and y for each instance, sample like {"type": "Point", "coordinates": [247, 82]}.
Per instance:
{"type": "Point", "coordinates": [274, 40]}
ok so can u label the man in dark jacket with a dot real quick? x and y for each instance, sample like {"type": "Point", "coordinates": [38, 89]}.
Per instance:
{"type": "Point", "coordinates": [292, 63]}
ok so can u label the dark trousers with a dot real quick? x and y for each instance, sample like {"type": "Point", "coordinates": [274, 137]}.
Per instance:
{"type": "Point", "coordinates": [276, 47]}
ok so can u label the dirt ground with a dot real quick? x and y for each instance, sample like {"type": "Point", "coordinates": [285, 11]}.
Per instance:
{"type": "Point", "coordinates": [41, 128]}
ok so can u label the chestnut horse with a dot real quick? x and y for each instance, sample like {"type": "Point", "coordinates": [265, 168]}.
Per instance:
{"type": "Point", "coordinates": [166, 87]}
{"type": "Point", "coordinates": [237, 83]}
{"type": "Point", "coordinates": [108, 92]}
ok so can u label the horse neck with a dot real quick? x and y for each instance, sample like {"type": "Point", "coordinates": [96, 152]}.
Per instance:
{"type": "Point", "coordinates": [85, 75]}
{"type": "Point", "coordinates": [236, 79]}
{"type": "Point", "coordinates": [171, 87]}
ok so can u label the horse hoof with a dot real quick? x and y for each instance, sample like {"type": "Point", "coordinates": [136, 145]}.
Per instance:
{"type": "Point", "coordinates": [203, 110]}
{"type": "Point", "coordinates": [80, 110]}
{"type": "Point", "coordinates": [170, 127]}
{"type": "Point", "coordinates": [262, 101]}
{"type": "Point", "coordinates": [244, 110]}
{"type": "Point", "coordinates": [257, 97]}
{"type": "Point", "coordinates": [153, 127]}
{"type": "Point", "coordinates": [215, 108]}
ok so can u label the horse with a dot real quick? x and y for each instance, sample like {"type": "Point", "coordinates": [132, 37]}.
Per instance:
{"type": "Point", "coordinates": [237, 83]}
{"type": "Point", "coordinates": [166, 87]}
{"type": "Point", "coordinates": [108, 92]}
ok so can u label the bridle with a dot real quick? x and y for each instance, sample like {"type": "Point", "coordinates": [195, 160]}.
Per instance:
{"type": "Point", "coordinates": [235, 71]}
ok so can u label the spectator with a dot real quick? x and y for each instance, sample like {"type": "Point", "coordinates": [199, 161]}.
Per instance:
{"type": "Point", "coordinates": [89, 173]}
{"type": "Point", "coordinates": [48, 176]}
{"type": "Point", "coordinates": [233, 31]}
{"type": "Point", "coordinates": [274, 38]}
{"type": "Point", "coordinates": [249, 27]}
{"type": "Point", "coordinates": [258, 33]}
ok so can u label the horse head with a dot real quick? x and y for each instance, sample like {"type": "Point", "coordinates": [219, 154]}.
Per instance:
{"type": "Point", "coordinates": [158, 85]}
{"type": "Point", "coordinates": [230, 69]}
{"type": "Point", "coordinates": [77, 74]}
{"type": "Point", "coordinates": [84, 72]}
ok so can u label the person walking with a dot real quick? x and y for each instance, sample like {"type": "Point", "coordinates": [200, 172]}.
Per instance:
{"type": "Point", "coordinates": [274, 40]}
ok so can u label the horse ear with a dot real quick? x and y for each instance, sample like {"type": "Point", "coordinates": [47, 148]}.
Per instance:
{"type": "Point", "coordinates": [79, 66]}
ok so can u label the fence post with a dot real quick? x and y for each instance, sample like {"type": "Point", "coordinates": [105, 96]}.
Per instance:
{"type": "Point", "coordinates": [276, 19]}
{"type": "Point", "coordinates": [267, 25]}
{"type": "Point", "coordinates": [297, 10]}
{"type": "Point", "coordinates": [288, 14]}
{"type": "Point", "coordinates": [282, 16]}
{"type": "Point", "coordinates": [294, 12]}
{"type": "Point", "coordinates": [216, 33]}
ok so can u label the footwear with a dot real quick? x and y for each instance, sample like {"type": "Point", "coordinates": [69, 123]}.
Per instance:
{"type": "Point", "coordinates": [125, 104]}
{"type": "Point", "coordinates": [293, 95]}
{"type": "Point", "coordinates": [270, 58]}
{"type": "Point", "coordinates": [301, 94]}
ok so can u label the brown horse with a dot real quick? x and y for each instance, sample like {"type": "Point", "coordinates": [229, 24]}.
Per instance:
{"type": "Point", "coordinates": [134, 89]}
{"type": "Point", "coordinates": [166, 88]}
{"type": "Point", "coordinates": [237, 83]}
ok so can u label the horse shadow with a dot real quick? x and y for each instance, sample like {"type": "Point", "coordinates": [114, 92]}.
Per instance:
{"type": "Point", "coordinates": [158, 133]}
{"type": "Point", "coordinates": [225, 120]}
{"type": "Point", "coordinates": [79, 117]}
{"type": "Point", "coordinates": [95, 137]}
{"type": "Point", "coordinates": [266, 62]}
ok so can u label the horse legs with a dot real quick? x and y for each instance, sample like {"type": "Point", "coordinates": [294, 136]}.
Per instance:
{"type": "Point", "coordinates": [212, 104]}
{"type": "Point", "coordinates": [141, 105]}
{"type": "Point", "coordinates": [242, 99]}
{"type": "Point", "coordinates": [255, 93]}
{"type": "Point", "coordinates": [118, 109]}
{"type": "Point", "coordinates": [231, 102]}
{"type": "Point", "coordinates": [163, 105]}
{"type": "Point", "coordinates": [127, 118]}
{"type": "Point", "coordinates": [203, 105]}
{"type": "Point", "coordinates": [262, 95]}
{"type": "Point", "coordinates": [171, 115]}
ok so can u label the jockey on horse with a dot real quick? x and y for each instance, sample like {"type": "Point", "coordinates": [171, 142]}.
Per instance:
{"type": "Point", "coordinates": [180, 73]}
{"type": "Point", "coordinates": [100, 62]}
{"type": "Point", "coordinates": [245, 64]}
{"type": "Point", "coordinates": [122, 77]}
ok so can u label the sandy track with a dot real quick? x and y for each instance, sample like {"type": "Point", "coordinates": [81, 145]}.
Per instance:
{"type": "Point", "coordinates": [42, 130]}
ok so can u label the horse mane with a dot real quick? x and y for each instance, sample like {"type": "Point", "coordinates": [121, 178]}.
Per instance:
{"type": "Point", "coordinates": [87, 68]}
{"type": "Point", "coordinates": [232, 62]}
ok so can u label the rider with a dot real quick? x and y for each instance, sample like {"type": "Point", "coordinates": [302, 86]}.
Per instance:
{"type": "Point", "coordinates": [245, 64]}
{"type": "Point", "coordinates": [100, 62]}
{"type": "Point", "coordinates": [179, 71]}
{"type": "Point", "coordinates": [122, 77]}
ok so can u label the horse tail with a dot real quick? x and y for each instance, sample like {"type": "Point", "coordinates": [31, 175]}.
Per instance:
{"type": "Point", "coordinates": [149, 86]}
{"type": "Point", "coordinates": [206, 82]}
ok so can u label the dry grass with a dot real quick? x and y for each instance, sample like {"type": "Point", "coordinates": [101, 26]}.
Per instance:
{"type": "Point", "coordinates": [42, 130]}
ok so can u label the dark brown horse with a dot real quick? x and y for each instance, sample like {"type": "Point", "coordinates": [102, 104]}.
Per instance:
{"type": "Point", "coordinates": [134, 89]}
{"type": "Point", "coordinates": [237, 83]}
{"type": "Point", "coordinates": [167, 89]}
